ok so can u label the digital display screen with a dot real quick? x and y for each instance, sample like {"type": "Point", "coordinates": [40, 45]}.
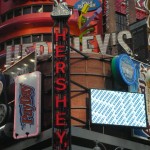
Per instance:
{"type": "Point", "coordinates": [118, 108]}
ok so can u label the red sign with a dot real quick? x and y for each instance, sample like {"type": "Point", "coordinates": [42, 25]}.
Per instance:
{"type": "Point", "coordinates": [61, 90]}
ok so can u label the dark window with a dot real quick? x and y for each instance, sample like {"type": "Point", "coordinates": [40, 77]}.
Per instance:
{"type": "Point", "coordinates": [47, 8]}
{"type": "Point", "coordinates": [17, 12]}
{"type": "Point", "coordinates": [26, 10]}
{"type": "Point", "coordinates": [37, 9]}
{"type": "Point", "coordinates": [36, 38]}
{"type": "Point", "coordinates": [3, 18]}
{"type": "Point", "coordinates": [10, 15]}
{"type": "Point", "coordinates": [47, 37]}
{"type": "Point", "coordinates": [121, 22]}
{"type": "Point", "coordinates": [1, 46]}
{"type": "Point", "coordinates": [26, 39]}
{"type": "Point", "coordinates": [17, 41]}
{"type": "Point", "coordinates": [9, 42]}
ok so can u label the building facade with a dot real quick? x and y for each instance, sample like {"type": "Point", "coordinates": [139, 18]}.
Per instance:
{"type": "Point", "coordinates": [99, 31]}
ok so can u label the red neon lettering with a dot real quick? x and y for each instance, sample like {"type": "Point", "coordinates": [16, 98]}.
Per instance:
{"type": "Point", "coordinates": [61, 136]}
{"type": "Point", "coordinates": [60, 67]}
{"type": "Point", "coordinates": [60, 119]}
{"type": "Point", "coordinates": [63, 100]}
{"type": "Point", "coordinates": [60, 84]}
{"type": "Point", "coordinates": [60, 35]}
{"type": "Point", "coordinates": [60, 51]}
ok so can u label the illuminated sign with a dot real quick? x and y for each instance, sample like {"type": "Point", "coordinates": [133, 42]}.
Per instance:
{"type": "Point", "coordinates": [118, 108]}
{"type": "Point", "coordinates": [61, 123]}
{"type": "Point", "coordinates": [142, 85]}
{"type": "Point", "coordinates": [61, 91]}
{"type": "Point", "coordinates": [94, 4]}
{"type": "Point", "coordinates": [123, 68]}
{"type": "Point", "coordinates": [27, 118]}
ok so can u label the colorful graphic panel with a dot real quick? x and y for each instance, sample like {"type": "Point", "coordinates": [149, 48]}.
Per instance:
{"type": "Point", "coordinates": [27, 105]}
{"type": "Point", "coordinates": [118, 108]}
{"type": "Point", "coordinates": [142, 85]}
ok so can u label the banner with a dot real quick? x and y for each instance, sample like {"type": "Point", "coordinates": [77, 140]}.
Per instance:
{"type": "Point", "coordinates": [27, 120]}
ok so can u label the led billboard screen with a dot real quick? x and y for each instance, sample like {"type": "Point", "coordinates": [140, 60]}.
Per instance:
{"type": "Point", "coordinates": [118, 108]}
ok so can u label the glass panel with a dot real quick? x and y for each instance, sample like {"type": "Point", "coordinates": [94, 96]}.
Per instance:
{"type": "Point", "coordinates": [26, 10]}
{"type": "Point", "coordinates": [36, 38]}
{"type": "Point", "coordinates": [47, 8]}
{"type": "Point", "coordinates": [47, 37]}
{"type": "Point", "coordinates": [27, 39]}
{"type": "Point", "coordinates": [9, 42]}
{"type": "Point", "coordinates": [3, 18]}
{"type": "Point", "coordinates": [17, 12]}
{"type": "Point", "coordinates": [37, 9]}
{"type": "Point", "coordinates": [10, 15]}
{"type": "Point", "coordinates": [1, 46]}
{"type": "Point", "coordinates": [17, 41]}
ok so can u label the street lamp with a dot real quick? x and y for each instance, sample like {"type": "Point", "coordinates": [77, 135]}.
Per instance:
{"type": "Point", "coordinates": [97, 146]}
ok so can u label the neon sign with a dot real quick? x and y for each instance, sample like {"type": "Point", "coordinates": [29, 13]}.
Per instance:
{"type": "Point", "coordinates": [61, 92]}
{"type": "Point", "coordinates": [61, 123]}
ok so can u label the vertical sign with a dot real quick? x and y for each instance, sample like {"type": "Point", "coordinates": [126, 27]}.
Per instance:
{"type": "Point", "coordinates": [27, 119]}
{"type": "Point", "coordinates": [142, 86]}
{"type": "Point", "coordinates": [61, 128]}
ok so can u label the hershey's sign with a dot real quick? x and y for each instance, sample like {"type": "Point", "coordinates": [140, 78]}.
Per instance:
{"type": "Point", "coordinates": [44, 48]}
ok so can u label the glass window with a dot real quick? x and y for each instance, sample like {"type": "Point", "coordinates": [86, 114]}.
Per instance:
{"type": "Point", "coordinates": [10, 15]}
{"type": "Point", "coordinates": [47, 8]}
{"type": "Point", "coordinates": [17, 12]}
{"type": "Point", "coordinates": [1, 46]}
{"type": "Point", "coordinates": [26, 39]}
{"type": "Point", "coordinates": [3, 18]}
{"type": "Point", "coordinates": [9, 42]}
{"type": "Point", "coordinates": [36, 38]}
{"type": "Point", "coordinates": [121, 22]}
{"type": "Point", "coordinates": [26, 10]}
{"type": "Point", "coordinates": [37, 9]}
{"type": "Point", "coordinates": [47, 37]}
{"type": "Point", "coordinates": [17, 41]}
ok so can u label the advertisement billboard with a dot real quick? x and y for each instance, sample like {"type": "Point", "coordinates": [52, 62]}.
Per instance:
{"type": "Point", "coordinates": [142, 85]}
{"type": "Point", "coordinates": [118, 108]}
{"type": "Point", "coordinates": [27, 109]}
